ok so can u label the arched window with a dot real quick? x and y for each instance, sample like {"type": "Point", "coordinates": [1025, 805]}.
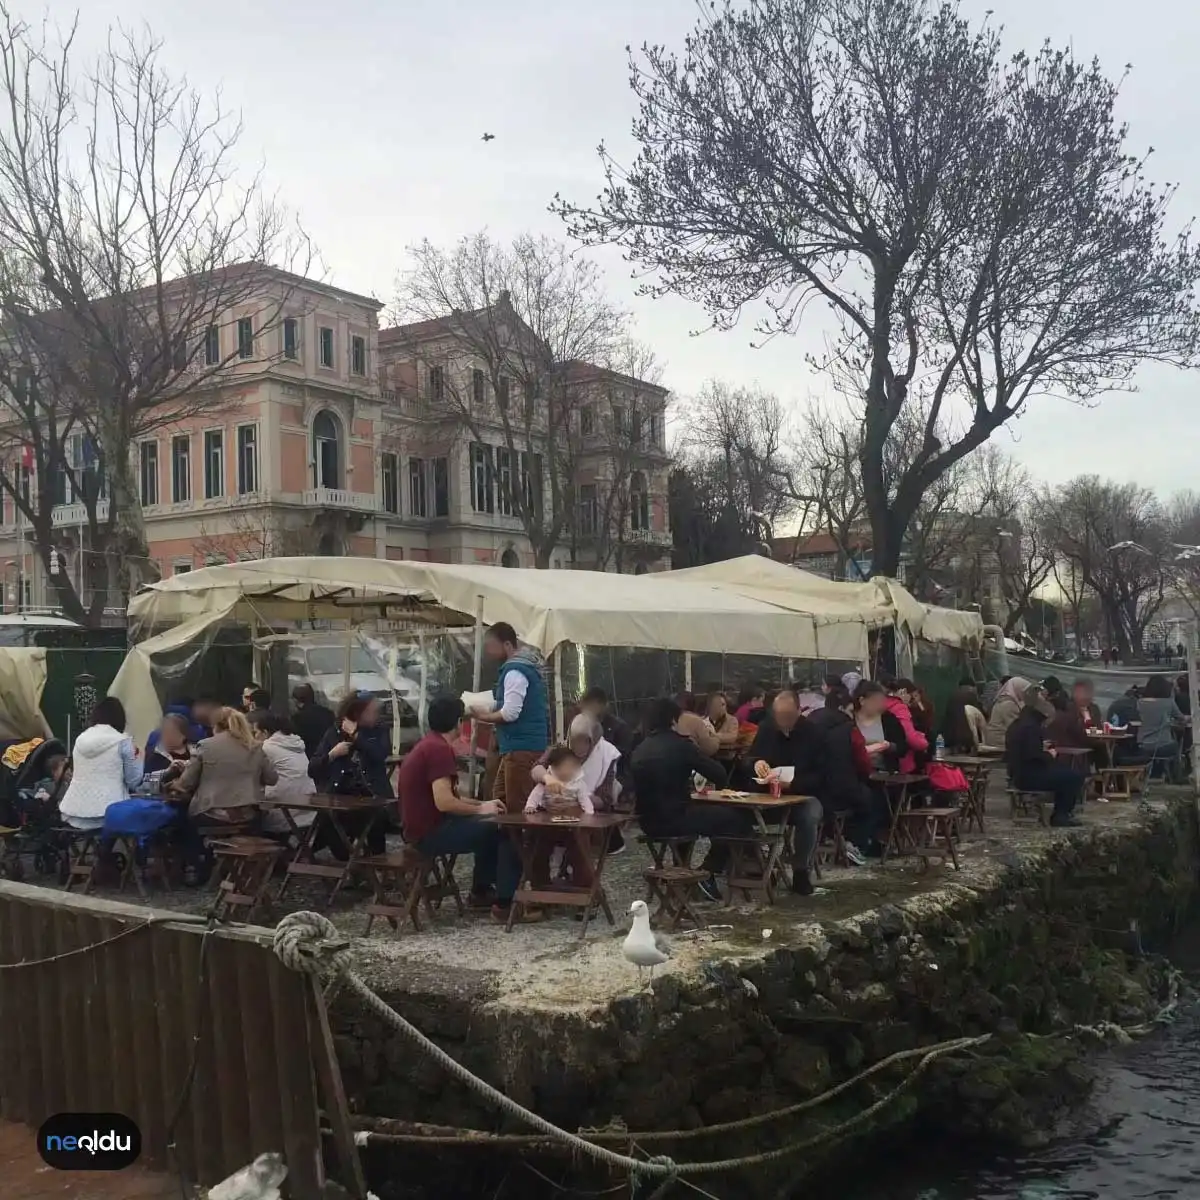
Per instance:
{"type": "Point", "coordinates": [510, 558]}
{"type": "Point", "coordinates": [639, 502]}
{"type": "Point", "coordinates": [327, 451]}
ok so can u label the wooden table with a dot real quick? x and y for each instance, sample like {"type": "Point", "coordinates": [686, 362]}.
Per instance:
{"type": "Point", "coordinates": [590, 831]}
{"type": "Point", "coordinates": [754, 862]}
{"type": "Point", "coordinates": [331, 808]}
{"type": "Point", "coordinates": [976, 768]}
{"type": "Point", "coordinates": [1109, 741]}
{"type": "Point", "coordinates": [896, 785]}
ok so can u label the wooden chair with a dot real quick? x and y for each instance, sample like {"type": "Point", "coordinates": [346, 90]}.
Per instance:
{"type": "Point", "coordinates": [1023, 803]}
{"type": "Point", "coordinates": [244, 866]}
{"type": "Point", "coordinates": [679, 848]}
{"type": "Point", "coordinates": [831, 848]}
{"type": "Point", "coordinates": [673, 888]}
{"type": "Point", "coordinates": [415, 880]}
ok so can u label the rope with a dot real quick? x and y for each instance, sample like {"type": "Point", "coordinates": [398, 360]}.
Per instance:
{"type": "Point", "coordinates": [116, 937]}
{"type": "Point", "coordinates": [309, 943]}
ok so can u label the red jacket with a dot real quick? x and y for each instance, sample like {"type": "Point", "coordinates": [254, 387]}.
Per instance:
{"type": "Point", "coordinates": [918, 743]}
{"type": "Point", "coordinates": [862, 760]}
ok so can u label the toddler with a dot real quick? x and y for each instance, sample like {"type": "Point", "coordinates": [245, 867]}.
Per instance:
{"type": "Point", "coordinates": [563, 790]}
{"type": "Point", "coordinates": [53, 783]}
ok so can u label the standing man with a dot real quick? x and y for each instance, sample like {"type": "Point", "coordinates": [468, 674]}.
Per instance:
{"type": "Point", "coordinates": [521, 715]}
{"type": "Point", "coordinates": [311, 720]}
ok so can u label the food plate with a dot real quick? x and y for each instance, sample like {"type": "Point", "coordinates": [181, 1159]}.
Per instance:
{"type": "Point", "coordinates": [564, 819]}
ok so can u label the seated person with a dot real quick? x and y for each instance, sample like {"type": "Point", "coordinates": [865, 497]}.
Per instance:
{"type": "Point", "coordinates": [785, 739]}
{"type": "Point", "coordinates": [106, 768]}
{"type": "Point", "coordinates": [571, 797]}
{"type": "Point", "coordinates": [845, 771]}
{"type": "Point", "coordinates": [964, 727]}
{"type": "Point", "coordinates": [1033, 768]}
{"type": "Point", "coordinates": [724, 723]}
{"type": "Point", "coordinates": [58, 775]}
{"type": "Point", "coordinates": [1162, 725]}
{"type": "Point", "coordinates": [284, 750]}
{"type": "Point", "coordinates": [662, 768]}
{"type": "Point", "coordinates": [1083, 699]}
{"type": "Point", "coordinates": [224, 780]}
{"type": "Point", "coordinates": [438, 821]}
{"type": "Point", "coordinates": [696, 725]}
{"type": "Point", "coordinates": [1066, 727]}
{"type": "Point", "coordinates": [172, 751]}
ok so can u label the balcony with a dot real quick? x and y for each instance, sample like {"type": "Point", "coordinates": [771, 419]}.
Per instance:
{"type": "Point", "coordinates": [649, 537]}
{"type": "Point", "coordinates": [77, 514]}
{"type": "Point", "coordinates": [340, 498]}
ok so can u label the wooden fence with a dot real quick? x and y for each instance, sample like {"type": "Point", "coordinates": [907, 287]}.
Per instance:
{"type": "Point", "coordinates": [100, 1012]}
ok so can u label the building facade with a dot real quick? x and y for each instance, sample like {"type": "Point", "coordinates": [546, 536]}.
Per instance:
{"type": "Point", "coordinates": [319, 439]}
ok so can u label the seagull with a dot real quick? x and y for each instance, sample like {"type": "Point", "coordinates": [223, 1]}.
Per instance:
{"type": "Point", "coordinates": [259, 1181]}
{"type": "Point", "coordinates": [488, 137]}
{"type": "Point", "coordinates": [643, 947]}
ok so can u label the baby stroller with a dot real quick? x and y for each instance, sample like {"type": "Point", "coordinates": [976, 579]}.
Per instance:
{"type": "Point", "coordinates": [34, 820]}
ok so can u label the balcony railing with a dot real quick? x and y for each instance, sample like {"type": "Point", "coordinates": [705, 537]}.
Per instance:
{"type": "Point", "coordinates": [341, 498]}
{"type": "Point", "coordinates": [650, 537]}
{"type": "Point", "coordinates": [77, 514]}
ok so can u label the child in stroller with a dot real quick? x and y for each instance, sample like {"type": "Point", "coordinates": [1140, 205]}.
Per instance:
{"type": "Point", "coordinates": [31, 786]}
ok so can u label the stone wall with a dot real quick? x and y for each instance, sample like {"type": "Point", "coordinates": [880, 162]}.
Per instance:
{"type": "Point", "coordinates": [1056, 939]}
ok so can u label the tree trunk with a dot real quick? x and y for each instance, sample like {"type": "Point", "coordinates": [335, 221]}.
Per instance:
{"type": "Point", "coordinates": [127, 541]}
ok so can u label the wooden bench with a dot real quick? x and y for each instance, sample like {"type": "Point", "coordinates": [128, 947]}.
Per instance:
{"type": "Point", "coordinates": [673, 889]}
{"type": "Point", "coordinates": [84, 858]}
{"type": "Point", "coordinates": [244, 866]}
{"type": "Point", "coordinates": [1024, 803]}
{"type": "Point", "coordinates": [414, 879]}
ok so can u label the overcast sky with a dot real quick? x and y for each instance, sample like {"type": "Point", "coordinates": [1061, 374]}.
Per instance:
{"type": "Point", "coordinates": [368, 117]}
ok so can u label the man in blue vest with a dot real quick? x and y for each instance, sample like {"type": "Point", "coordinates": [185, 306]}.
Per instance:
{"type": "Point", "coordinates": [521, 715]}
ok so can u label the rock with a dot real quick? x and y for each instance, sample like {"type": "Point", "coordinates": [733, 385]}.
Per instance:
{"type": "Point", "coordinates": [803, 1067]}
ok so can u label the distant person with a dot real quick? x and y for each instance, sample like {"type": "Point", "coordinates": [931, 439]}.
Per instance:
{"type": "Point", "coordinates": [1183, 695]}
{"type": "Point", "coordinates": [1009, 702]}
{"type": "Point", "coordinates": [1124, 709]}
{"type": "Point", "coordinates": [594, 702]}
{"type": "Point", "coordinates": [1066, 728]}
{"type": "Point", "coordinates": [184, 709]}
{"type": "Point", "coordinates": [312, 721]}
{"type": "Point", "coordinates": [1161, 721]}
{"type": "Point", "coordinates": [964, 726]}
{"type": "Point", "coordinates": [1181, 651]}
{"type": "Point", "coordinates": [204, 712]}
{"type": "Point", "coordinates": [750, 703]}
{"type": "Point", "coordinates": [1083, 696]}
{"type": "Point", "coordinates": [1157, 653]}
{"type": "Point", "coordinates": [845, 770]}
{"type": "Point", "coordinates": [696, 725]}
{"type": "Point", "coordinates": [723, 722]}
{"type": "Point", "coordinates": [1104, 656]}
{"type": "Point", "coordinates": [521, 714]}
{"type": "Point", "coordinates": [1034, 768]}
{"type": "Point", "coordinates": [284, 750]}
{"type": "Point", "coordinates": [259, 700]}
{"type": "Point", "coordinates": [248, 693]}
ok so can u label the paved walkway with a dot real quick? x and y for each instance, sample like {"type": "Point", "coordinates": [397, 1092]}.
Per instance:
{"type": "Point", "coordinates": [26, 1177]}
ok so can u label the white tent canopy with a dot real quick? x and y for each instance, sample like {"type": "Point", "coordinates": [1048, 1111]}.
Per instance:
{"type": "Point", "coordinates": [547, 608]}
{"type": "Point", "coordinates": [874, 603]}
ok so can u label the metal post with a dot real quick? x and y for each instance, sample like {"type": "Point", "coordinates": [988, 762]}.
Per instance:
{"type": "Point", "coordinates": [1194, 693]}
{"type": "Point", "coordinates": [559, 716]}
{"type": "Point", "coordinates": [423, 700]}
{"type": "Point", "coordinates": [687, 670]}
{"type": "Point", "coordinates": [476, 679]}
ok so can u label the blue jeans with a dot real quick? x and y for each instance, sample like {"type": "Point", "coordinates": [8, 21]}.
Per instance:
{"type": "Point", "coordinates": [497, 863]}
{"type": "Point", "coordinates": [1169, 759]}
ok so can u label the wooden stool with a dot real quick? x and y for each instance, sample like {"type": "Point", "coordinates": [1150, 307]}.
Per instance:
{"type": "Point", "coordinates": [84, 858]}
{"type": "Point", "coordinates": [750, 865]}
{"type": "Point", "coordinates": [673, 887]}
{"type": "Point", "coordinates": [832, 845]}
{"type": "Point", "coordinates": [680, 849]}
{"type": "Point", "coordinates": [973, 808]}
{"type": "Point", "coordinates": [1026, 804]}
{"type": "Point", "coordinates": [1117, 783]}
{"type": "Point", "coordinates": [417, 878]}
{"type": "Point", "coordinates": [244, 869]}
{"type": "Point", "coordinates": [937, 836]}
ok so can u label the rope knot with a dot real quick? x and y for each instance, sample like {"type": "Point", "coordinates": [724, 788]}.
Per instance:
{"type": "Point", "coordinates": [310, 943]}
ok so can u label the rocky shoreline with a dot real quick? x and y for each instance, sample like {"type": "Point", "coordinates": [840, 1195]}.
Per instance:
{"type": "Point", "coordinates": [1037, 940]}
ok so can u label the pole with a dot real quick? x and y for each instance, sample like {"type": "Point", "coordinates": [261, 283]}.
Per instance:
{"type": "Point", "coordinates": [1194, 694]}
{"type": "Point", "coordinates": [559, 731]}
{"type": "Point", "coordinates": [423, 700]}
{"type": "Point", "coordinates": [687, 670]}
{"type": "Point", "coordinates": [476, 679]}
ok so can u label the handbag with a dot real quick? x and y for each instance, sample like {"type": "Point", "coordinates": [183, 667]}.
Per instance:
{"type": "Point", "coordinates": [352, 779]}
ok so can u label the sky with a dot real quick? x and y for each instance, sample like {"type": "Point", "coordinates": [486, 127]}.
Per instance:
{"type": "Point", "coordinates": [367, 118]}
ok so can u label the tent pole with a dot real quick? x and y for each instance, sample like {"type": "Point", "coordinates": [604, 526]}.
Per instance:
{"type": "Point", "coordinates": [559, 731]}
{"type": "Point", "coordinates": [423, 700]}
{"type": "Point", "coordinates": [476, 679]}
{"type": "Point", "coordinates": [687, 670]}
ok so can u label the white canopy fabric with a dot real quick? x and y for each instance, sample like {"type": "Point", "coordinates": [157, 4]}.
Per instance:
{"type": "Point", "coordinates": [22, 678]}
{"type": "Point", "coordinates": [546, 608]}
{"type": "Point", "coordinates": [874, 603]}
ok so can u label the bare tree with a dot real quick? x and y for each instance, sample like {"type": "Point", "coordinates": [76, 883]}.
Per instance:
{"type": "Point", "coordinates": [515, 323]}
{"type": "Point", "coordinates": [1117, 539]}
{"type": "Point", "coordinates": [118, 199]}
{"type": "Point", "coordinates": [253, 533]}
{"type": "Point", "coordinates": [974, 223]}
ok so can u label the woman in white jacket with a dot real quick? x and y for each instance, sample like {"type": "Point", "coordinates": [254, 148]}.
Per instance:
{"type": "Point", "coordinates": [105, 767]}
{"type": "Point", "coordinates": [285, 751]}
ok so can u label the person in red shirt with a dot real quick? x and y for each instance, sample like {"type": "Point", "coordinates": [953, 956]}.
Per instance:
{"type": "Point", "coordinates": [437, 820]}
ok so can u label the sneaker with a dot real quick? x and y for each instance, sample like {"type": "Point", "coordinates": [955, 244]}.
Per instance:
{"type": "Point", "coordinates": [854, 856]}
{"type": "Point", "coordinates": [709, 890]}
{"type": "Point", "coordinates": [525, 915]}
{"type": "Point", "coordinates": [481, 901]}
{"type": "Point", "coordinates": [802, 884]}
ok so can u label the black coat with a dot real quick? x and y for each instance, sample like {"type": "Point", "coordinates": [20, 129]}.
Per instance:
{"type": "Point", "coordinates": [800, 749]}
{"type": "Point", "coordinates": [312, 722]}
{"type": "Point", "coordinates": [1023, 750]}
{"type": "Point", "coordinates": [662, 769]}
{"type": "Point", "coordinates": [837, 768]}
{"type": "Point", "coordinates": [370, 749]}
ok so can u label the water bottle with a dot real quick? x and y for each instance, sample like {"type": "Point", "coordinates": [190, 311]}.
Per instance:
{"type": "Point", "coordinates": [939, 749]}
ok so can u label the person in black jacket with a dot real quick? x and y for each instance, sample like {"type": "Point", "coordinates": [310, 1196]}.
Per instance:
{"type": "Point", "coordinates": [662, 769]}
{"type": "Point", "coordinates": [785, 739]}
{"type": "Point", "coordinates": [350, 757]}
{"type": "Point", "coordinates": [845, 769]}
{"type": "Point", "coordinates": [1032, 767]}
{"type": "Point", "coordinates": [312, 721]}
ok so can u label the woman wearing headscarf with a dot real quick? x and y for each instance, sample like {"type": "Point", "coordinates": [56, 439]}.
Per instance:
{"type": "Point", "coordinates": [964, 726]}
{"type": "Point", "coordinates": [1009, 702]}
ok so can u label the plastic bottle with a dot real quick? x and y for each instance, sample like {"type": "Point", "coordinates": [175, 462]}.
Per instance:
{"type": "Point", "coordinates": [939, 749]}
